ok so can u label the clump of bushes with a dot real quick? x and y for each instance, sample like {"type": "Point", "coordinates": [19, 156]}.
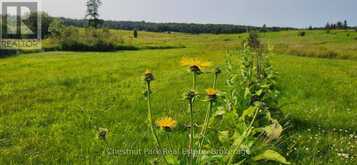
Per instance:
{"type": "Point", "coordinates": [87, 39]}
{"type": "Point", "coordinates": [302, 34]}
{"type": "Point", "coordinates": [6, 53]}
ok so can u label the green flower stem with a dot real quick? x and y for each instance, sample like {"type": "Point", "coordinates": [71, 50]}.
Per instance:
{"type": "Point", "coordinates": [215, 81]}
{"type": "Point", "coordinates": [205, 124]}
{"type": "Point", "coordinates": [191, 134]}
{"type": "Point", "coordinates": [151, 123]}
{"type": "Point", "coordinates": [194, 80]}
{"type": "Point", "coordinates": [245, 135]}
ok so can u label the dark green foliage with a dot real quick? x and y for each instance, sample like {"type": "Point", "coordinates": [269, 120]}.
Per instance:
{"type": "Point", "coordinates": [264, 28]}
{"type": "Point", "coordinates": [56, 28]}
{"type": "Point", "coordinates": [173, 27]}
{"type": "Point", "coordinates": [7, 53]}
{"type": "Point", "coordinates": [31, 22]}
{"type": "Point", "coordinates": [90, 40]}
{"type": "Point", "coordinates": [253, 41]}
{"type": "Point", "coordinates": [345, 24]}
{"type": "Point", "coordinates": [302, 34]}
{"type": "Point", "coordinates": [135, 33]}
{"type": "Point", "coordinates": [337, 25]}
{"type": "Point", "coordinates": [327, 26]}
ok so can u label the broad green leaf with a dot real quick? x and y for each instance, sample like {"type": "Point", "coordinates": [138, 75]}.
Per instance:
{"type": "Point", "coordinates": [237, 138]}
{"type": "Point", "coordinates": [246, 93]}
{"type": "Point", "coordinates": [223, 136]}
{"type": "Point", "coordinates": [259, 92]}
{"type": "Point", "coordinates": [248, 112]}
{"type": "Point", "coordinates": [219, 112]}
{"type": "Point", "coordinates": [271, 155]}
{"type": "Point", "coordinates": [273, 131]}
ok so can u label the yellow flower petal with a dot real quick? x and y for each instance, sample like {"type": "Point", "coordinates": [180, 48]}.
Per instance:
{"type": "Point", "coordinates": [190, 62]}
{"type": "Point", "coordinates": [166, 122]}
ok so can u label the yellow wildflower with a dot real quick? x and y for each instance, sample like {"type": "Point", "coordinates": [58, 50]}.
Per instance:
{"type": "Point", "coordinates": [195, 64]}
{"type": "Point", "coordinates": [166, 123]}
{"type": "Point", "coordinates": [212, 94]}
{"type": "Point", "coordinates": [148, 75]}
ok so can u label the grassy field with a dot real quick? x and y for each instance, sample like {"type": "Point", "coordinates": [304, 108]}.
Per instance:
{"type": "Point", "coordinates": [52, 103]}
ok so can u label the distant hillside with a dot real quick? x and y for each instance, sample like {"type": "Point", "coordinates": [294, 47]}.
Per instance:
{"type": "Point", "coordinates": [174, 27]}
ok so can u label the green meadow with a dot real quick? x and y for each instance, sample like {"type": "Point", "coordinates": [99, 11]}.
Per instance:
{"type": "Point", "coordinates": [53, 103]}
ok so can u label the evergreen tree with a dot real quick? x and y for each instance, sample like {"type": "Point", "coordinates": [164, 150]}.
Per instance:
{"type": "Point", "coordinates": [345, 25]}
{"type": "Point", "coordinates": [327, 26]}
{"type": "Point", "coordinates": [264, 28]}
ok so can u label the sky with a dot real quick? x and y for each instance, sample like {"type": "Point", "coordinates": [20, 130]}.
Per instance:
{"type": "Point", "coordinates": [290, 13]}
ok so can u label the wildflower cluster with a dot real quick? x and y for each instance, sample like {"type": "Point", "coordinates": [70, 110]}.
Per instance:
{"type": "Point", "coordinates": [238, 130]}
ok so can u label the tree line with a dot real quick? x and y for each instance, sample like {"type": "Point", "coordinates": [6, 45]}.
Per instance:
{"type": "Point", "coordinates": [337, 25]}
{"type": "Point", "coordinates": [192, 28]}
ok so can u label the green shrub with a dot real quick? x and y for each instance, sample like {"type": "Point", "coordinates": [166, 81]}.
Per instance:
{"type": "Point", "coordinates": [56, 28]}
{"type": "Point", "coordinates": [135, 33]}
{"type": "Point", "coordinates": [7, 53]}
{"type": "Point", "coordinates": [89, 39]}
{"type": "Point", "coordinates": [302, 34]}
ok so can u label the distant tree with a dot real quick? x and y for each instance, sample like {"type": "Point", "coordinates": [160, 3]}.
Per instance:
{"type": "Point", "coordinates": [264, 28]}
{"type": "Point", "coordinates": [345, 24]}
{"type": "Point", "coordinates": [339, 25]}
{"type": "Point", "coordinates": [310, 27]}
{"type": "Point", "coordinates": [333, 26]}
{"type": "Point", "coordinates": [31, 22]}
{"type": "Point", "coordinates": [56, 27]}
{"type": "Point", "coordinates": [93, 13]}
{"type": "Point", "coordinates": [135, 33]}
{"type": "Point", "coordinates": [327, 26]}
